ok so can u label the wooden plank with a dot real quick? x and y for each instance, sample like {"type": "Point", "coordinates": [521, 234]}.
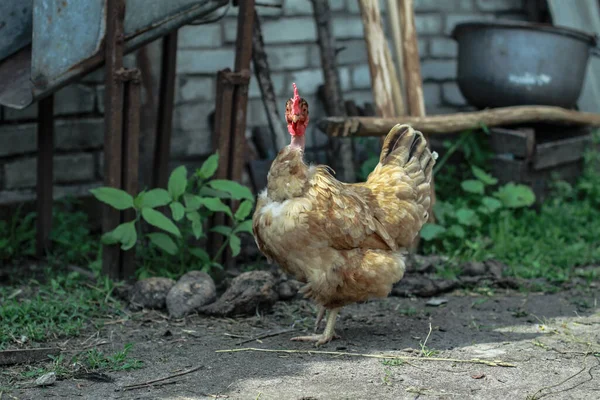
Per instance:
{"type": "Point", "coordinates": [131, 158]}
{"type": "Point", "coordinates": [395, 25]}
{"type": "Point", "coordinates": [412, 63]}
{"type": "Point", "coordinates": [384, 80]}
{"type": "Point", "coordinates": [559, 152]}
{"type": "Point", "coordinates": [45, 140]}
{"type": "Point", "coordinates": [452, 123]}
{"type": "Point", "coordinates": [113, 132]}
{"type": "Point", "coordinates": [518, 142]}
{"type": "Point", "coordinates": [162, 147]}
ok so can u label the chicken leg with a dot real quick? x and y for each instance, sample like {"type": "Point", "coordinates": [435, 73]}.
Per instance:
{"type": "Point", "coordinates": [327, 335]}
{"type": "Point", "coordinates": [320, 316]}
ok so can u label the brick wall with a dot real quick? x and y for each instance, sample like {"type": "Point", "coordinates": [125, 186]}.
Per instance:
{"type": "Point", "coordinates": [290, 35]}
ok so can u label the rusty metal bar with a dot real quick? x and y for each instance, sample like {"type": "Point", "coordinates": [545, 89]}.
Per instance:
{"type": "Point", "coordinates": [45, 137]}
{"type": "Point", "coordinates": [243, 57]}
{"type": "Point", "coordinates": [131, 157]}
{"type": "Point", "coordinates": [113, 122]}
{"type": "Point", "coordinates": [162, 148]}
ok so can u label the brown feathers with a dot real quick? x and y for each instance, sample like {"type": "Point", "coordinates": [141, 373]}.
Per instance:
{"type": "Point", "coordinates": [346, 240]}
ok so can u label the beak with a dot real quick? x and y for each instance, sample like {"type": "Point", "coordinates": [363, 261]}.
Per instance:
{"type": "Point", "coordinates": [295, 118]}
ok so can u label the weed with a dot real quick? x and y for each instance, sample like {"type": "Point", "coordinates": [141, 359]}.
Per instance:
{"type": "Point", "coordinates": [394, 362]}
{"type": "Point", "coordinates": [191, 201]}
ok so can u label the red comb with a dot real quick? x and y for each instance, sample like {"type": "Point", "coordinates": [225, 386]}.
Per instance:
{"type": "Point", "coordinates": [296, 100]}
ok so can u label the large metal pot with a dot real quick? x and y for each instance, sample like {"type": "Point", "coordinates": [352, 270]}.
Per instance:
{"type": "Point", "coordinates": [503, 64]}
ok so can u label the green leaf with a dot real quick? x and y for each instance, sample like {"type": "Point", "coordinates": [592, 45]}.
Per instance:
{"type": "Point", "coordinates": [215, 205]}
{"type": "Point", "coordinates": [158, 220]}
{"type": "Point", "coordinates": [200, 253]}
{"type": "Point", "coordinates": [467, 217]}
{"type": "Point", "coordinates": [236, 190]}
{"type": "Point", "coordinates": [432, 231]}
{"type": "Point", "coordinates": [194, 216]}
{"type": "Point", "coordinates": [177, 210]}
{"type": "Point", "coordinates": [155, 198]}
{"type": "Point", "coordinates": [457, 231]}
{"type": "Point", "coordinates": [115, 198]}
{"type": "Point", "coordinates": [491, 204]}
{"type": "Point", "coordinates": [206, 191]}
{"type": "Point", "coordinates": [177, 182]}
{"type": "Point", "coordinates": [223, 230]}
{"type": "Point", "coordinates": [235, 244]}
{"type": "Point", "coordinates": [243, 210]}
{"type": "Point", "coordinates": [483, 176]}
{"type": "Point", "coordinates": [124, 234]}
{"type": "Point", "coordinates": [245, 226]}
{"type": "Point", "coordinates": [515, 195]}
{"type": "Point", "coordinates": [209, 167]}
{"type": "Point", "coordinates": [192, 202]}
{"type": "Point", "coordinates": [164, 242]}
{"type": "Point", "coordinates": [472, 186]}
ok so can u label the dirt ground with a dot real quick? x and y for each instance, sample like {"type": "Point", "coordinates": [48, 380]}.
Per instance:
{"type": "Point", "coordinates": [553, 341]}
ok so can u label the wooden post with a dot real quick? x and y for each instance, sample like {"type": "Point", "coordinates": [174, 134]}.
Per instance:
{"type": "Point", "coordinates": [45, 137]}
{"type": "Point", "coordinates": [412, 64]}
{"type": "Point", "coordinates": [113, 131]}
{"type": "Point", "coordinates": [395, 26]}
{"type": "Point", "coordinates": [384, 81]}
{"type": "Point", "coordinates": [340, 150]}
{"type": "Point", "coordinates": [162, 148]}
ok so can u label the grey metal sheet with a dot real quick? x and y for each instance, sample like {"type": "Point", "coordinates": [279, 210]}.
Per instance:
{"type": "Point", "coordinates": [68, 37]}
{"type": "Point", "coordinates": [15, 26]}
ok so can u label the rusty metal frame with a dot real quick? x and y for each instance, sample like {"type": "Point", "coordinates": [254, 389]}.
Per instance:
{"type": "Point", "coordinates": [162, 148]}
{"type": "Point", "coordinates": [113, 131]}
{"type": "Point", "coordinates": [45, 175]}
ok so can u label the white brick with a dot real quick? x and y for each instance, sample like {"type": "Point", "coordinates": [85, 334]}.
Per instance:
{"type": "Point", "coordinates": [22, 173]}
{"type": "Point", "coordinates": [192, 116]}
{"type": "Point", "coordinates": [204, 62]}
{"type": "Point", "coordinates": [29, 113]}
{"type": "Point", "coordinates": [74, 99]}
{"type": "Point", "coordinates": [347, 28]}
{"type": "Point", "coordinates": [270, 11]}
{"type": "Point", "coordinates": [78, 134]}
{"type": "Point", "coordinates": [452, 94]}
{"type": "Point", "coordinates": [355, 52]}
{"type": "Point", "coordinates": [438, 69]}
{"type": "Point", "coordinates": [344, 74]}
{"type": "Point", "coordinates": [431, 94]}
{"type": "Point", "coordinates": [288, 30]}
{"type": "Point", "coordinates": [428, 24]}
{"type": "Point", "coordinates": [443, 48]}
{"type": "Point", "coordinates": [361, 77]}
{"type": "Point", "coordinates": [354, 8]}
{"type": "Point", "coordinates": [194, 36]}
{"type": "Point", "coordinates": [278, 80]}
{"type": "Point", "coordinates": [443, 5]}
{"type": "Point", "coordinates": [423, 44]}
{"type": "Point", "coordinates": [18, 139]}
{"type": "Point", "coordinates": [308, 80]}
{"type": "Point", "coordinates": [256, 114]}
{"type": "Point", "coordinates": [304, 7]}
{"type": "Point", "coordinates": [287, 57]}
{"type": "Point", "coordinates": [453, 19]}
{"type": "Point", "coordinates": [195, 88]}
{"type": "Point", "coordinates": [500, 5]}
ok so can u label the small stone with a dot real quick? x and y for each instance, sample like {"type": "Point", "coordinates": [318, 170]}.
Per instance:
{"type": "Point", "coordinates": [247, 292]}
{"type": "Point", "coordinates": [435, 302]}
{"type": "Point", "coordinates": [193, 290]}
{"type": "Point", "coordinates": [150, 293]}
{"type": "Point", "coordinates": [46, 379]}
{"type": "Point", "coordinates": [473, 269]}
{"type": "Point", "coordinates": [288, 289]}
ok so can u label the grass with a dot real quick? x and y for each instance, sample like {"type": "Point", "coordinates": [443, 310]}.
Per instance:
{"type": "Point", "coordinates": [61, 307]}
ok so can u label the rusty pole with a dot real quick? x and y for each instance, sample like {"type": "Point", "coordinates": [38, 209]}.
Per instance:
{"type": "Point", "coordinates": [131, 154]}
{"type": "Point", "coordinates": [45, 136]}
{"type": "Point", "coordinates": [162, 148]}
{"type": "Point", "coordinates": [113, 122]}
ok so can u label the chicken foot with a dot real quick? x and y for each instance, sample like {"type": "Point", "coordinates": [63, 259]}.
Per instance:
{"type": "Point", "coordinates": [327, 335]}
{"type": "Point", "coordinates": [320, 316]}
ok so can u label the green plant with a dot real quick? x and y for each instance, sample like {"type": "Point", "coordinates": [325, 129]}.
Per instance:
{"type": "Point", "coordinates": [191, 201]}
{"type": "Point", "coordinates": [463, 220]}
{"type": "Point", "coordinates": [17, 236]}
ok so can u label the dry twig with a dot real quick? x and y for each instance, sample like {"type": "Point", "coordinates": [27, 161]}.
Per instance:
{"type": "Point", "coordinates": [150, 383]}
{"type": "Point", "coordinates": [265, 335]}
{"type": "Point", "coordinates": [494, 363]}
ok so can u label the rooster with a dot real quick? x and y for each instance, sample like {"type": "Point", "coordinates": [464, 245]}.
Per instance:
{"type": "Point", "coordinates": [345, 242]}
